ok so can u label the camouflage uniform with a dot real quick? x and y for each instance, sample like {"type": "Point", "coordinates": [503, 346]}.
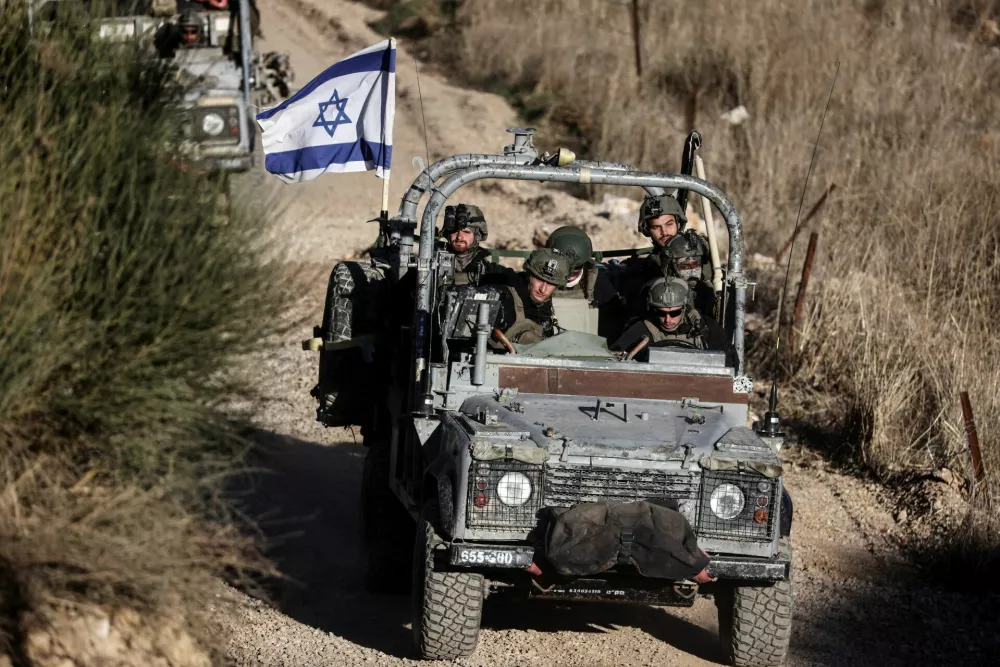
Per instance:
{"type": "Point", "coordinates": [591, 283]}
{"type": "Point", "coordinates": [694, 331]}
{"type": "Point", "coordinates": [521, 319]}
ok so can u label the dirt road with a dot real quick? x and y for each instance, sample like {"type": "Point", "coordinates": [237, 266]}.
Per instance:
{"type": "Point", "coordinates": [857, 600]}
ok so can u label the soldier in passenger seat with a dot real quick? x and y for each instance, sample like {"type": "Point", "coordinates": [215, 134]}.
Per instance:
{"type": "Point", "coordinates": [672, 321]}
{"type": "Point", "coordinates": [587, 284]}
{"type": "Point", "coordinates": [526, 314]}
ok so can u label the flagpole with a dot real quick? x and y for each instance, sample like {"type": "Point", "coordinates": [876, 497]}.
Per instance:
{"type": "Point", "coordinates": [385, 196]}
{"type": "Point", "coordinates": [384, 215]}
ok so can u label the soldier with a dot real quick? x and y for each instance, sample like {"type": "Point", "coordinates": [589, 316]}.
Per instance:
{"type": "Point", "coordinates": [465, 228]}
{"type": "Point", "coordinates": [587, 282]}
{"type": "Point", "coordinates": [670, 320]}
{"type": "Point", "coordinates": [660, 218]}
{"type": "Point", "coordinates": [682, 258]}
{"type": "Point", "coordinates": [526, 314]}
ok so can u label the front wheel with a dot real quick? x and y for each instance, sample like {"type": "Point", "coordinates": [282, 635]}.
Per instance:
{"type": "Point", "coordinates": [447, 606]}
{"type": "Point", "coordinates": [755, 623]}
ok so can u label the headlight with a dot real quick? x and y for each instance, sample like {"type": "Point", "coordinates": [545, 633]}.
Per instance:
{"type": "Point", "coordinates": [514, 489]}
{"type": "Point", "coordinates": [726, 502]}
{"type": "Point", "coordinates": [213, 124]}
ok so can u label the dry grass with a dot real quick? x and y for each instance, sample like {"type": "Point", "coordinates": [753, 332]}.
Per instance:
{"type": "Point", "coordinates": [903, 305]}
{"type": "Point", "coordinates": [123, 308]}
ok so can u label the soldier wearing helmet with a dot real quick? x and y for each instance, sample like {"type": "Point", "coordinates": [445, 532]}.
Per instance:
{"type": "Point", "coordinates": [682, 258]}
{"type": "Point", "coordinates": [661, 218]}
{"type": "Point", "coordinates": [465, 228]}
{"type": "Point", "coordinates": [586, 281]}
{"type": "Point", "coordinates": [526, 314]}
{"type": "Point", "coordinates": [671, 321]}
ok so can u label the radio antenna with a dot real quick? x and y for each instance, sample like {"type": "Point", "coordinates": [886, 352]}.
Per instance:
{"type": "Point", "coordinates": [772, 420]}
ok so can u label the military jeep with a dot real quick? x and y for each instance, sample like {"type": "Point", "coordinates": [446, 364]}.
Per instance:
{"type": "Point", "coordinates": [223, 74]}
{"type": "Point", "coordinates": [558, 471]}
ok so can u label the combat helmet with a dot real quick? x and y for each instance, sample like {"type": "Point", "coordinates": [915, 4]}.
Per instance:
{"type": "Point", "coordinates": [682, 256]}
{"type": "Point", "coordinates": [572, 242]}
{"type": "Point", "coordinates": [668, 293]}
{"type": "Point", "coordinates": [189, 26]}
{"type": "Point", "coordinates": [465, 216]}
{"type": "Point", "coordinates": [550, 265]}
{"type": "Point", "coordinates": [653, 206]}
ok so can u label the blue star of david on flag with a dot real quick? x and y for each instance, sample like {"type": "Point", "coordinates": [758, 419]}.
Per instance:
{"type": "Point", "coordinates": [341, 118]}
{"type": "Point", "coordinates": [298, 134]}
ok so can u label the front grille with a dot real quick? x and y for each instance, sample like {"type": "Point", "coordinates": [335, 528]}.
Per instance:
{"type": "Point", "coordinates": [566, 486]}
{"type": "Point", "coordinates": [759, 493]}
{"type": "Point", "coordinates": [495, 514]}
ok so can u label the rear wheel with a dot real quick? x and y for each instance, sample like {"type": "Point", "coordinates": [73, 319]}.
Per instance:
{"type": "Point", "coordinates": [447, 606]}
{"type": "Point", "coordinates": [755, 623]}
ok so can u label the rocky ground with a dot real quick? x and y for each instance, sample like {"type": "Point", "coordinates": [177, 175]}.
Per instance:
{"type": "Point", "coordinates": [857, 599]}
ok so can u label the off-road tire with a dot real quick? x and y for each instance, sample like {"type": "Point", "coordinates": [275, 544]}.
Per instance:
{"type": "Point", "coordinates": [755, 623]}
{"type": "Point", "coordinates": [386, 525]}
{"type": "Point", "coordinates": [447, 606]}
{"type": "Point", "coordinates": [350, 283]}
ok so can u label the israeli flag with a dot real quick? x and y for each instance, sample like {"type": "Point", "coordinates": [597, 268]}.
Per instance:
{"type": "Point", "coordinates": [340, 121]}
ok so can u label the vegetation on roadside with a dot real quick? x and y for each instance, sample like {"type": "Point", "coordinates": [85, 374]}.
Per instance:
{"type": "Point", "coordinates": [901, 311]}
{"type": "Point", "coordinates": [123, 306]}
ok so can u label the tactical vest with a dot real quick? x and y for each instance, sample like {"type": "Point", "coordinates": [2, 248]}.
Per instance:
{"type": "Point", "coordinates": [692, 336]}
{"type": "Point", "coordinates": [472, 272]}
{"type": "Point", "coordinates": [523, 330]}
{"type": "Point", "coordinates": [574, 307]}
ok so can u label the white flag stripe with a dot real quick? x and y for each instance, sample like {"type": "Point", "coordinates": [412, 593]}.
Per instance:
{"type": "Point", "coordinates": [341, 121]}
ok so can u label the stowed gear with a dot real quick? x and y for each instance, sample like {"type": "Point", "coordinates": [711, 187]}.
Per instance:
{"type": "Point", "coordinates": [668, 293]}
{"type": "Point", "coordinates": [572, 242]}
{"type": "Point", "coordinates": [653, 206]}
{"type": "Point", "coordinates": [550, 265]}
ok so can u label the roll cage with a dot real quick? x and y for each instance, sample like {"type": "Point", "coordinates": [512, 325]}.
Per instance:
{"type": "Point", "coordinates": [521, 161]}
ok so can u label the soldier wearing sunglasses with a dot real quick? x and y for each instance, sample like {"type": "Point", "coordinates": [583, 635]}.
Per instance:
{"type": "Point", "coordinates": [670, 321]}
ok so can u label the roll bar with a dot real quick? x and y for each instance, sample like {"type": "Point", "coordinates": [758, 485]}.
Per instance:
{"type": "Point", "coordinates": [575, 172]}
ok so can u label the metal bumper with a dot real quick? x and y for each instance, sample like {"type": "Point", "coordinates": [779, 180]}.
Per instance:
{"type": "Point", "coordinates": [512, 556]}
{"type": "Point", "coordinates": [227, 164]}
{"type": "Point", "coordinates": [751, 569]}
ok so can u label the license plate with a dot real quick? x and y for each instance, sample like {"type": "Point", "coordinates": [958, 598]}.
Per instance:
{"type": "Point", "coordinates": [473, 556]}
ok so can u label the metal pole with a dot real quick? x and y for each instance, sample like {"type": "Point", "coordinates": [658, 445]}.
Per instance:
{"type": "Point", "coordinates": [713, 243]}
{"type": "Point", "coordinates": [637, 43]}
{"type": "Point", "coordinates": [972, 439]}
{"type": "Point", "coordinates": [795, 233]}
{"type": "Point", "coordinates": [800, 298]}
{"type": "Point", "coordinates": [573, 173]}
{"type": "Point", "coordinates": [246, 45]}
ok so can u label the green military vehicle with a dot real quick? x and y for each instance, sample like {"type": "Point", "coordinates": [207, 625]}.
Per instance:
{"type": "Point", "coordinates": [558, 470]}
{"type": "Point", "coordinates": [224, 76]}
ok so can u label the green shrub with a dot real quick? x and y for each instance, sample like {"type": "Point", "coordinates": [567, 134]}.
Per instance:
{"type": "Point", "coordinates": [123, 301]}
{"type": "Point", "coordinates": [127, 292]}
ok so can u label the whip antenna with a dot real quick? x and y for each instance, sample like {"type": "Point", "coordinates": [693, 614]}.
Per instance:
{"type": "Point", "coordinates": [772, 421]}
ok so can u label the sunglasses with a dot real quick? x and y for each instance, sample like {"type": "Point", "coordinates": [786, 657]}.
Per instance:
{"type": "Point", "coordinates": [672, 313]}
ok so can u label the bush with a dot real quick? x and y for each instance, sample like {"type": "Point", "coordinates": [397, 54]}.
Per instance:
{"type": "Point", "coordinates": [124, 302]}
